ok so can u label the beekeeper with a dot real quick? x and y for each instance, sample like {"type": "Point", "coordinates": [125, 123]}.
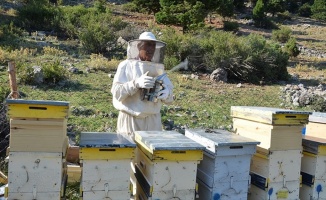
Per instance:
{"type": "Point", "coordinates": [134, 78]}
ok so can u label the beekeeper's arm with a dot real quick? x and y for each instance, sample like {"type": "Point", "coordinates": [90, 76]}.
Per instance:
{"type": "Point", "coordinates": [123, 87]}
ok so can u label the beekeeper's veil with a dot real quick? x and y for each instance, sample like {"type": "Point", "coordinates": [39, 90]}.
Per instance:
{"type": "Point", "coordinates": [133, 52]}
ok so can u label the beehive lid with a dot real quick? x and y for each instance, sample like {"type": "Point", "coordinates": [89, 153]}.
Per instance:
{"type": "Point", "coordinates": [37, 108]}
{"type": "Point", "coordinates": [269, 115]}
{"type": "Point", "coordinates": [166, 140]}
{"type": "Point", "coordinates": [104, 140]}
{"type": "Point", "coordinates": [215, 138]}
{"type": "Point", "coordinates": [314, 145]}
{"type": "Point", "coordinates": [318, 117]}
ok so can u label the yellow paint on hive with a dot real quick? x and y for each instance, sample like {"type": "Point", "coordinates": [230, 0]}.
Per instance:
{"type": "Point", "coordinates": [290, 119]}
{"type": "Point", "coordinates": [106, 153]}
{"type": "Point", "coordinates": [37, 111]}
{"type": "Point", "coordinates": [164, 155]}
{"type": "Point", "coordinates": [309, 154]}
{"type": "Point", "coordinates": [322, 150]}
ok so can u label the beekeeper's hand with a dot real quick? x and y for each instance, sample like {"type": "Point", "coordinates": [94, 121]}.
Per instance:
{"type": "Point", "coordinates": [163, 94]}
{"type": "Point", "coordinates": [145, 81]}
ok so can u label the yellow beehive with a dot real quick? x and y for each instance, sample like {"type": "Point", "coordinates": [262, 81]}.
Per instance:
{"type": "Point", "coordinates": [105, 160]}
{"type": "Point", "coordinates": [166, 165]}
{"type": "Point", "coordinates": [316, 126]}
{"type": "Point", "coordinates": [275, 129]}
{"type": "Point", "coordinates": [38, 126]}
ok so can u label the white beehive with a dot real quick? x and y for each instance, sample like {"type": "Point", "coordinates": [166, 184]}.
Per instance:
{"type": "Point", "coordinates": [275, 175]}
{"type": "Point", "coordinates": [36, 175]}
{"type": "Point", "coordinates": [224, 171]}
{"type": "Point", "coordinates": [166, 165]}
{"type": "Point", "coordinates": [316, 126]}
{"type": "Point", "coordinates": [313, 168]}
{"type": "Point", "coordinates": [105, 159]}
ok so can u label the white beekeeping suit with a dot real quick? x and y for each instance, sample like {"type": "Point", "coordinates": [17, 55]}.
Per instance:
{"type": "Point", "coordinates": [134, 75]}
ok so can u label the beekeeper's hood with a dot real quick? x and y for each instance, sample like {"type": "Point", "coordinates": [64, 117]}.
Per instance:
{"type": "Point", "coordinates": [133, 47]}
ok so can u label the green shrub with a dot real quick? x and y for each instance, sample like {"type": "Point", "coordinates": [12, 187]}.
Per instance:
{"type": "Point", "coordinates": [51, 73]}
{"type": "Point", "coordinates": [291, 47]}
{"type": "Point", "coordinates": [318, 10]}
{"type": "Point", "coordinates": [230, 26]}
{"type": "Point", "coordinates": [318, 104]}
{"type": "Point", "coordinates": [282, 35]}
{"type": "Point", "coordinates": [38, 15]}
{"type": "Point", "coordinates": [305, 10]}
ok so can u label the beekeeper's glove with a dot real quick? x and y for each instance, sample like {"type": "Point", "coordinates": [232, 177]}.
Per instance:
{"type": "Point", "coordinates": [145, 81]}
{"type": "Point", "coordinates": [163, 94]}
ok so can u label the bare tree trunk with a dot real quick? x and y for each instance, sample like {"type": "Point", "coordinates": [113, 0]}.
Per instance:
{"type": "Point", "coordinates": [12, 80]}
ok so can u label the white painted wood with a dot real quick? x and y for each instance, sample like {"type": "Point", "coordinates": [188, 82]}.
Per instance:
{"type": "Point", "coordinates": [277, 165]}
{"type": "Point", "coordinates": [276, 191]}
{"type": "Point", "coordinates": [224, 170]}
{"type": "Point", "coordinates": [164, 175]}
{"type": "Point", "coordinates": [97, 173]}
{"type": "Point", "coordinates": [110, 195]}
{"type": "Point", "coordinates": [30, 196]}
{"type": "Point", "coordinates": [166, 194]}
{"type": "Point", "coordinates": [223, 191]}
{"type": "Point", "coordinates": [38, 171]}
{"type": "Point", "coordinates": [314, 192]}
{"type": "Point", "coordinates": [314, 165]}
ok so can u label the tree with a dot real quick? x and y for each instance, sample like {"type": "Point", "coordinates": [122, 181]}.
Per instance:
{"type": "Point", "coordinates": [152, 6]}
{"type": "Point", "coordinates": [225, 8]}
{"type": "Point", "coordinates": [259, 13]}
{"type": "Point", "coordinates": [318, 10]}
{"type": "Point", "coordinates": [274, 6]}
{"type": "Point", "coordinates": [188, 14]}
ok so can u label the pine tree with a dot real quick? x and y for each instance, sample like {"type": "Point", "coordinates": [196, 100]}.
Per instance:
{"type": "Point", "coordinates": [318, 10]}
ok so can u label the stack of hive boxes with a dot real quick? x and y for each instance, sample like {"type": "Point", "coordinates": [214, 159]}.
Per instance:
{"type": "Point", "coordinates": [224, 171]}
{"type": "Point", "coordinates": [105, 162]}
{"type": "Point", "coordinates": [313, 164]}
{"type": "Point", "coordinates": [275, 168]}
{"type": "Point", "coordinates": [166, 165]}
{"type": "Point", "coordinates": [38, 143]}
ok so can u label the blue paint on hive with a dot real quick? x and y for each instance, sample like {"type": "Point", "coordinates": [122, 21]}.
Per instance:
{"type": "Point", "coordinates": [217, 196]}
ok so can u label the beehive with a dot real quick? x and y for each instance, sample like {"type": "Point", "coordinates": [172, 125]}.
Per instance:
{"type": "Point", "coordinates": [313, 168]}
{"type": "Point", "coordinates": [275, 175]}
{"type": "Point", "coordinates": [316, 126]}
{"type": "Point", "coordinates": [276, 129]}
{"type": "Point", "coordinates": [275, 167]}
{"type": "Point", "coordinates": [166, 165]}
{"type": "Point", "coordinates": [38, 126]}
{"type": "Point", "coordinates": [105, 160]}
{"type": "Point", "coordinates": [224, 170]}
{"type": "Point", "coordinates": [36, 175]}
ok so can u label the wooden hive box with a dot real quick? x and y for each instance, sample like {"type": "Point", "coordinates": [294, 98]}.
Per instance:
{"type": "Point", "coordinates": [275, 175]}
{"type": "Point", "coordinates": [313, 168]}
{"type": "Point", "coordinates": [105, 160]}
{"type": "Point", "coordinates": [224, 170]}
{"type": "Point", "coordinates": [166, 165]}
{"type": "Point", "coordinates": [38, 126]}
{"type": "Point", "coordinates": [316, 126]}
{"type": "Point", "coordinates": [36, 175]}
{"type": "Point", "coordinates": [275, 129]}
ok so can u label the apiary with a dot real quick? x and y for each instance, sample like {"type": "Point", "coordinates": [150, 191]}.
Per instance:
{"type": "Point", "coordinates": [224, 171]}
{"type": "Point", "coordinates": [105, 165]}
{"type": "Point", "coordinates": [36, 175]}
{"type": "Point", "coordinates": [313, 168]}
{"type": "Point", "coordinates": [38, 126]}
{"type": "Point", "coordinates": [276, 129]}
{"type": "Point", "coordinates": [316, 126]}
{"type": "Point", "coordinates": [166, 165]}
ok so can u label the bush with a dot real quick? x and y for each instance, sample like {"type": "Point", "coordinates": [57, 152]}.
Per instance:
{"type": "Point", "coordinates": [291, 47]}
{"type": "Point", "coordinates": [318, 104]}
{"type": "Point", "coordinates": [248, 59]}
{"type": "Point", "coordinates": [318, 10]}
{"type": "Point", "coordinates": [230, 26]}
{"type": "Point", "coordinates": [305, 10]}
{"type": "Point", "coordinates": [282, 35]}
{"type": "Point", "coordinates": [49, 74]}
